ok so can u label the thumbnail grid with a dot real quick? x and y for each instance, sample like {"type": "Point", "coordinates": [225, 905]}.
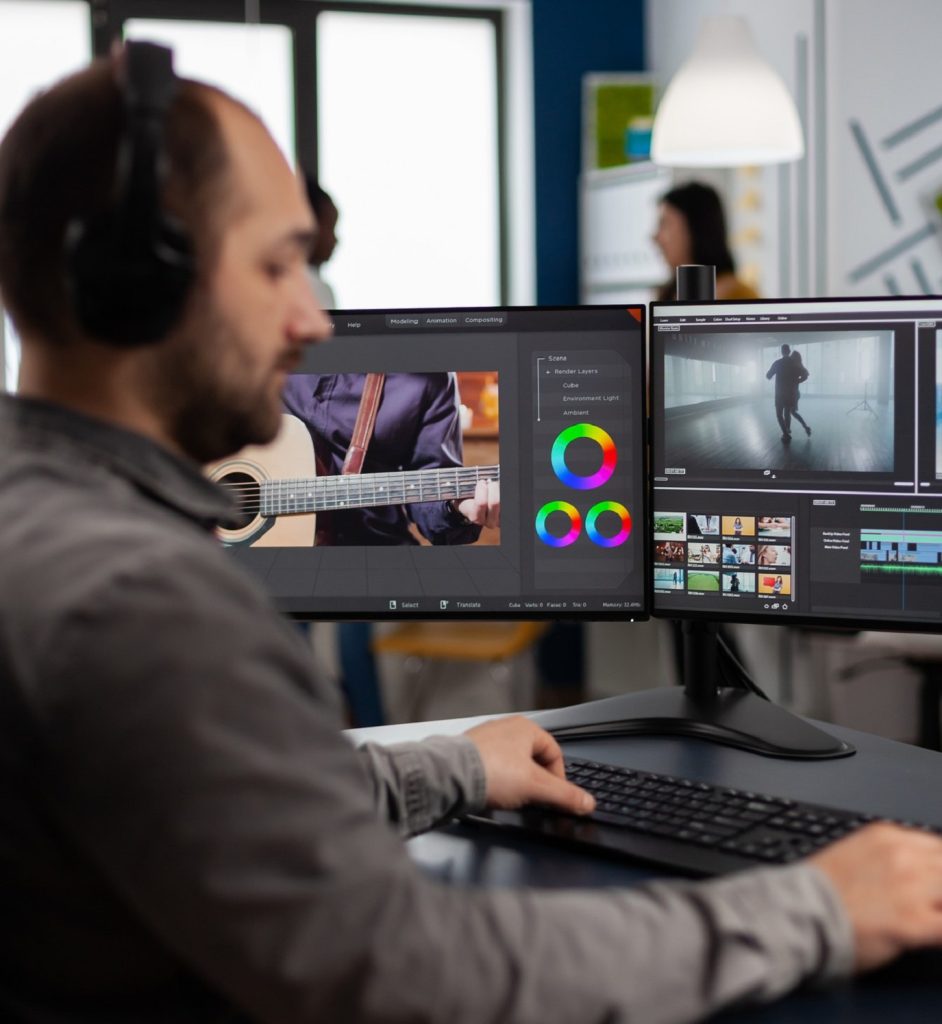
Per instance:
{"type": "Point", "coordinates": [741, 556]}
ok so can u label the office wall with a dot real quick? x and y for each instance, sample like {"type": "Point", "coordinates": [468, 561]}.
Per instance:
{"type": "Point", "coordinates": [862, 213]}
{"type": "Point", "coordinates": [570, 38]}
{"type": "Point", "coordinates": [885, 156]}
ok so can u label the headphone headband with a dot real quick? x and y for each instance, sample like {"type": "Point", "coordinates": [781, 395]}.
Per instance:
{"type": "Point", "coordinates": [130, 269]}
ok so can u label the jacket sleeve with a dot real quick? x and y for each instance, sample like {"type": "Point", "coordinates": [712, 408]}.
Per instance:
{"type": "Point", "coordinates": [201, 770]}
{"type": "Point", "coordinates": [438, 443]}
{"type": "Point", "coordinates": [418, 785]}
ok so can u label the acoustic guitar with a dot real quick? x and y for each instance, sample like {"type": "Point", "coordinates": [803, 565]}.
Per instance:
{"type": "Point", "coordinates": [278, 492]}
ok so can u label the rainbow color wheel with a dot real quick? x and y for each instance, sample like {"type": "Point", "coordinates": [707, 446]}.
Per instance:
{"type": "Point", "coordinates": [592, 529]}
{"type": "Point", "coordinates": [575, 524]}
{"type": "Point", "coordinates": [601, 438]}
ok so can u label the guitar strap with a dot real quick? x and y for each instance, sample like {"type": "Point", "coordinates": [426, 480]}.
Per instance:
{"type": "Point", "coordinates": [366, 421]}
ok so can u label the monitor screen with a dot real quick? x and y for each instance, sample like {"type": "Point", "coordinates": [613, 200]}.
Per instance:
{"type": "Point", "coordinates": [796, 461]}
{"type": "Point", "coordinates": [539, 409]}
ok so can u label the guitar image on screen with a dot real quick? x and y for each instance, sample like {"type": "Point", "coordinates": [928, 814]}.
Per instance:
{"type": "Point", "coordinates": [278, 490]}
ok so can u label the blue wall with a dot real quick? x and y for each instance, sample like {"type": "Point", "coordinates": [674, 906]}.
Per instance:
{"type": "Point", "coordinates": [570, 38]}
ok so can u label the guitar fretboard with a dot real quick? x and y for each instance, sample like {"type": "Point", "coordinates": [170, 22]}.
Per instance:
{"type": "Point", "coordinates": [328, 493]}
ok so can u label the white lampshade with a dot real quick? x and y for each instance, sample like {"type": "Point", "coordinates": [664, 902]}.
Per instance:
{"type": "Point", "coordinates": [726, 106]}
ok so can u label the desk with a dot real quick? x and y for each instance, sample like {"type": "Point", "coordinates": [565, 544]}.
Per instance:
{"type": "Point", "coordinates": [883, 777]}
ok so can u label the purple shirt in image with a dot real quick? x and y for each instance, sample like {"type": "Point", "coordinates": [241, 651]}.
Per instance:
{"type": "Point", "coordinates": [417, 427]}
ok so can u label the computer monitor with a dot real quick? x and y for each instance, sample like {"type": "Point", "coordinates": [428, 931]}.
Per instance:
{"type": "Point", "coordinates": [796, 465]}
{"type": "Point", "coordinates": [547, 401]}
{"type": "Point", "coordinates": [796, 462]}
{"type": "Point", "coordinates": [796, 473]}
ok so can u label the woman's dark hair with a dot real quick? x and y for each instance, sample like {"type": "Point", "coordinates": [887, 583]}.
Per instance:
{"type": "Point", "coordinates": [702, 209]}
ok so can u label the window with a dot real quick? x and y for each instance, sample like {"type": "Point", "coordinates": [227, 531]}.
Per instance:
{"type": "Point", "coordinates": [397, 107]}
{"type": "Point", "coordinates": [252, 62]}
{"type": "Point", "coordinates": [408, 149]}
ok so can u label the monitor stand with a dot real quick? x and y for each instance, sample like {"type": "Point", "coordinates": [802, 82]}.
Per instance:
{"type": "Point", "coordinates": [702, 709]}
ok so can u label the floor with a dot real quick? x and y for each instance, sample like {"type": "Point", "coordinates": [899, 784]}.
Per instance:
{"type": "Point", "coordinates": [747, 436]}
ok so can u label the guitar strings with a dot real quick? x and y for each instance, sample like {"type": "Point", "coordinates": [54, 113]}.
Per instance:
{"type": "Point", "coordinates": [248, 491]}
{"type": "Point", "coordinates": [349, 481]}
{"type": "Point", "coordinates": [452, 482]}
{"type": "Point", "coordinates": [343, 481]}
{"type": "Point", "coordinates": [336, 483]}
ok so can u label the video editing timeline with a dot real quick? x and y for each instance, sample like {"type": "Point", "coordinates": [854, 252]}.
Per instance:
{"type": "Point", "coordinates": [888, 553]}
{"type": "Point", "coordinates": [818, 421]}
{"type": "Point", "coordinates": [546, 402]}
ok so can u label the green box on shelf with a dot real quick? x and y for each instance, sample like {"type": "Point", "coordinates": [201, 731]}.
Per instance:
{"type": "Point", "coordinates": [610, 102]}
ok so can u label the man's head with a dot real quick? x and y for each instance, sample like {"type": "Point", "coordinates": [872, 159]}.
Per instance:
{"type": "Point", "coordinates": [65, 165]}
{"type": "Point", "coordinates": [213, 382]}
{"type": "Point", "coordinates": [786, 349]}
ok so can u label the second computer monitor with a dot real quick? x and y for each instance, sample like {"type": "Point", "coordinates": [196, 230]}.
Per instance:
{"type": "Point", "coordinates": [797, 461]}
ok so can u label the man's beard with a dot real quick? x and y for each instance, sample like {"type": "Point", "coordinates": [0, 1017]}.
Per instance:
{"type": "Point", "coordinates": [213, 408]}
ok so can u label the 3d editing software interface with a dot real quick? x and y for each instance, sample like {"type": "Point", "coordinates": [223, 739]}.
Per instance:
{"type": "Point", "coordinates": [797, 460]}
{"type": "Point", "coordinates": [544, 405]}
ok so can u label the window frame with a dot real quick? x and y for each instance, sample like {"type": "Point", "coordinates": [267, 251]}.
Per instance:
{"type": "Point", "coordinates": [300, 18]}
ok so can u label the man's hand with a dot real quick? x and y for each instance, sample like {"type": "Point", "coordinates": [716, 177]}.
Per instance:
{"type": "Point", "coordinates": [484, 508]}
{"type": "Point", "coordinates": [524, 764]}
{"type": "Point", "coordinates": [890, 882]}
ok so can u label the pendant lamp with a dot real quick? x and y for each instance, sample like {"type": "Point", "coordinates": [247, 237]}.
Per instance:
{"type": "Point", "coordinates": [726, 106]}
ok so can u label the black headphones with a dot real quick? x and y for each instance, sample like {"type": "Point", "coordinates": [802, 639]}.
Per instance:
{"type": "Point", "coordinates": [129, 269]}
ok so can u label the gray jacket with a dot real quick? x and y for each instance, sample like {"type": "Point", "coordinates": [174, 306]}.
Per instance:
{"type": "Point", "coordinates": [185, 834]}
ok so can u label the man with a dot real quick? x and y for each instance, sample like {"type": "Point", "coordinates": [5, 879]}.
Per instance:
{"type": "Point", "coordinates": [783, 370]}
{"type": "Point", "coordinates": [186, 834]}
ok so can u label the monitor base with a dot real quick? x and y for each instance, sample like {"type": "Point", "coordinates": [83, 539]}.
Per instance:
{"type": "Point", "coordinates": [731, 716]}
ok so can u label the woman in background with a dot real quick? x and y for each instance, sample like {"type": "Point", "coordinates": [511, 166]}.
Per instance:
{"type": "Point", "coordinates": [800, 375]}
{"type": "Point", "coordinates": [692, 229]}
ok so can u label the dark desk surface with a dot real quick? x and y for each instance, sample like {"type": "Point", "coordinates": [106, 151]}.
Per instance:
{"type": "Point", "coordinates": [883, 777]}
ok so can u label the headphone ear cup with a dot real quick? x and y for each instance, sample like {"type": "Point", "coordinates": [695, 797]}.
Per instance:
{"type": "Point", "coordinates": [131, 295]}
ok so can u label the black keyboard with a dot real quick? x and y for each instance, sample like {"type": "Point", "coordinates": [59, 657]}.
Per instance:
{"type": "Point", "coordinates": [685, 825]}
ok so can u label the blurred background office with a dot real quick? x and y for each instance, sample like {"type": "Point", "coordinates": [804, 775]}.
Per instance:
{"type": "Point", "coordinates": [498, 152]}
